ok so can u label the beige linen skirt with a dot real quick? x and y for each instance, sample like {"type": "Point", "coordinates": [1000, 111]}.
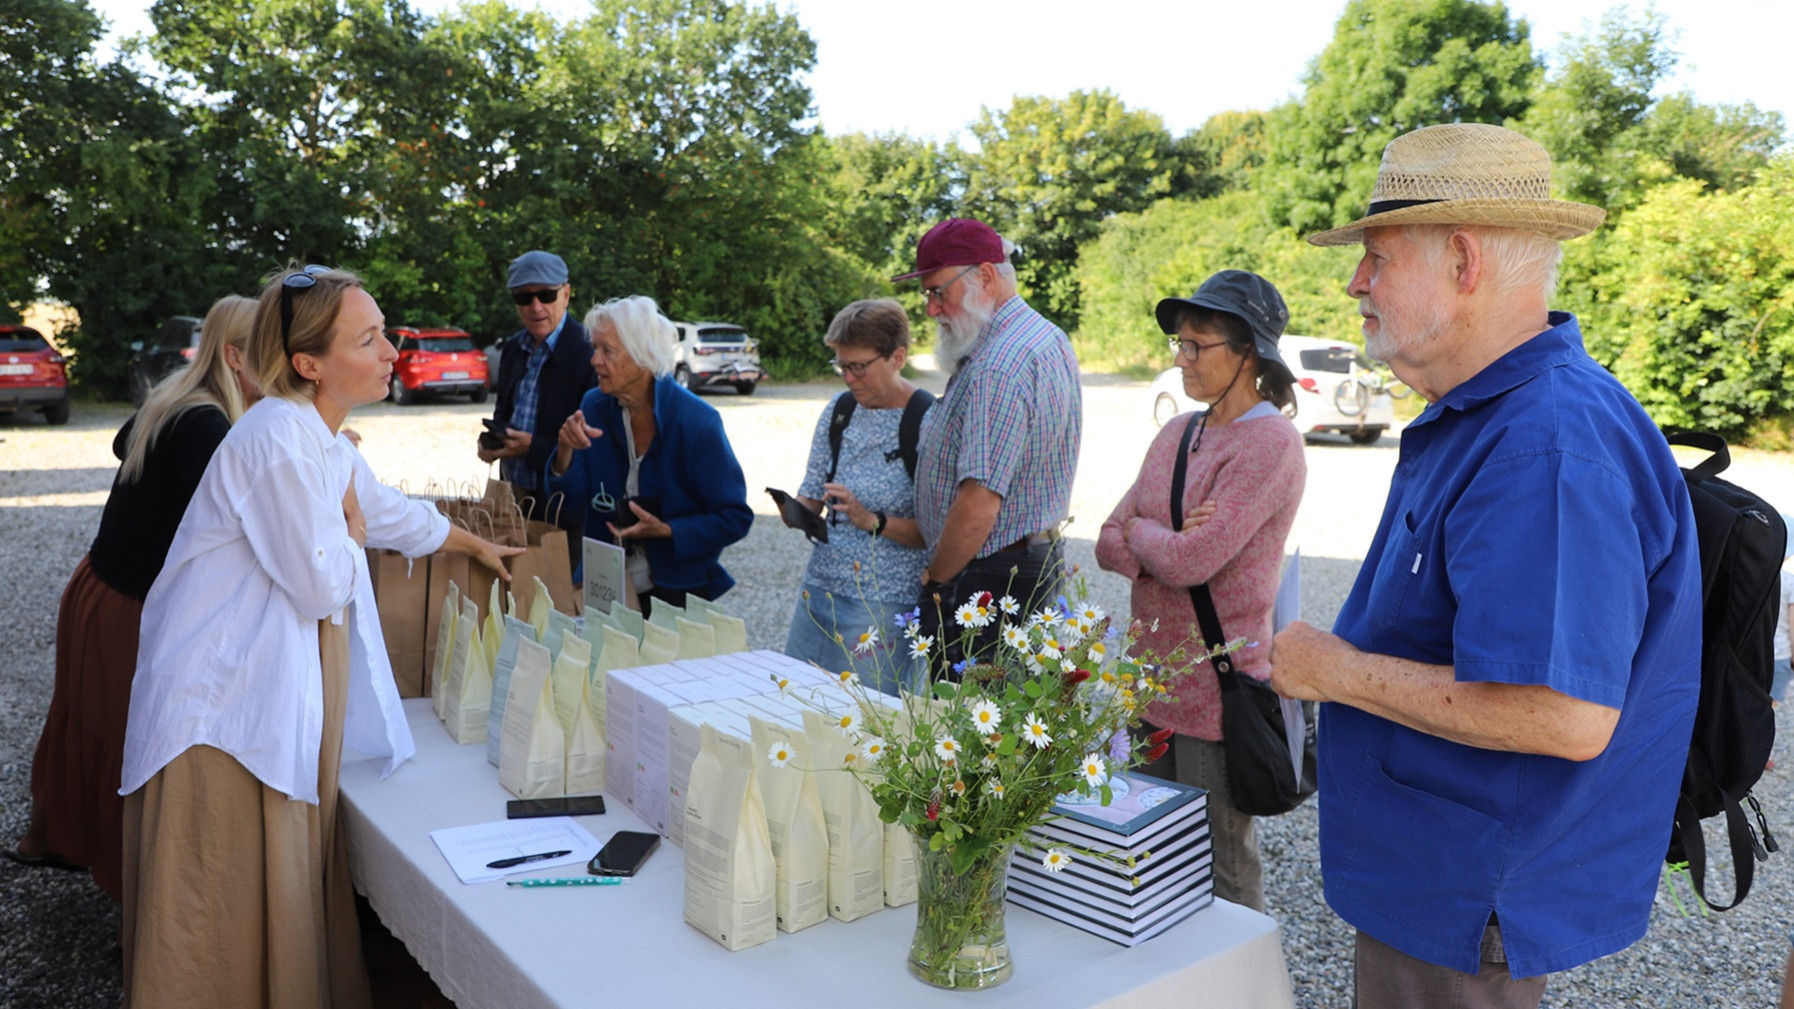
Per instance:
{"type": "Point", "coordinates": [236, 895]}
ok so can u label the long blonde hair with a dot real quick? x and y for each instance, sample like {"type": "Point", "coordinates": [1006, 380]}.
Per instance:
{"type": "Point", "coordinates": [207, 381]}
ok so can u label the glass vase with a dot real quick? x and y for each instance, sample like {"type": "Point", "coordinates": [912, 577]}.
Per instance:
{"type": "Point", "coordinates": [959, 941]}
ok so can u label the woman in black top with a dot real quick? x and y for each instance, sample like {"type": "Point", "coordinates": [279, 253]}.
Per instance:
{"type": "Point", "coordinates": [164, 449]}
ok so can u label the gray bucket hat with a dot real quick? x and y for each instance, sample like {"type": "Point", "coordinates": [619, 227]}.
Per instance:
{"type": "Point", "coordinates": [1241, 293]}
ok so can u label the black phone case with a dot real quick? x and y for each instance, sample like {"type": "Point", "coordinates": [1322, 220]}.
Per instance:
{"type": "Point", "coordinates": [596, 866]}
{"type": "Point", "coordinates": [803, 519]}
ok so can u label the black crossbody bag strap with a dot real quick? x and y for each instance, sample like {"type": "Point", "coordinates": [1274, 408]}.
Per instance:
{"type": "Point", "coordinates": [1206, 617]}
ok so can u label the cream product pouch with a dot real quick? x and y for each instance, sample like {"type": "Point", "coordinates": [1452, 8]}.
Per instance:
{"type": "Point", "coordinates": [560, 628]}
{"type": "Point", "coordinates": [470, 694]}
{"type": "Point", "coordinates": [493, 630]}
{"type": "Point", "coordinates": [445, 646]}
{"type": "Point", "coordinates": [572, 670]}
{"type": "Point", "coordinates": [593, 630]}
{"type": "Point", "coordinates": [585, 747]}
{"type": "Point", "coordinates": [900, 866]}
{"type": "Point", "coordinates": [699, 608]}
{"type": "Point", "coordinates": [730, 878]}
{"type": "Point", "coordinates": [516, 632]}
{"type": "Point", "coordinates": [620, 652]}
{"type": "Point", "coordinates": [466, 643]}
{"type": "Point", "coordinates": [856, 839]}
{"type": "Point", "coordinates": [539, 608]}
{"type": "Point", "coordinates": [794, 821]}
{"type": "Point", "coordinates": [627, 619]}
{"type": "Point", "coordinates": [730, 632]}
{"type": "Point", "coordinates": [532, 761]}
{"type": "Point", "coordinates": [659, 645]}
{"type": "Point", "coordinates": [664, 613]}
{"type": "Point", "coordinates": [696, 640]}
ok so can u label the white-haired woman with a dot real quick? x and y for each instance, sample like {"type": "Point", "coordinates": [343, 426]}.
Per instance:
{"type": "Point", "coordinates": [650, 462]}
{"type": "Point", "coordinates": [236, 889]}
{"type": "Point", "coordinates": [164, 448]}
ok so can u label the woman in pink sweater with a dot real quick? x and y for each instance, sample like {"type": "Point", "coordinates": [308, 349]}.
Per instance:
{"type": "Point", "coordinates": [1242, 485]}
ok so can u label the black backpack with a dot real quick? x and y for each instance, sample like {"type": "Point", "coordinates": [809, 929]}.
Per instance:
{"type": "Point", "coordinates": [1742, 540]}
{"type": "Point", "coordinates": [909, 430]}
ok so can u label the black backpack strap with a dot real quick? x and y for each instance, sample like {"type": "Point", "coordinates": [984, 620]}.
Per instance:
{"type": "Point", "coordinates": [1706, 441]}
{"type": "Point", "coordinates": [1206, 617]}
{"type": "Point", "coordinates": [909, 430]}
{"type": "Point", "coordinates": [837, 423]}
{"type": "Point", "coordinates": [1745, 850]}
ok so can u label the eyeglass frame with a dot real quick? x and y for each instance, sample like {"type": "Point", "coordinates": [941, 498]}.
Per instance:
{"type": "Point", "coordinates": [543, 296]}
{"type": "Point", "coordinates": [856, 368]}
{"type": "Point", "coordinates": [1178, 344]}
{"type": "Point", "coordinates": [939, 292]}
{"type": "Point", "coordinates": [303, 279]}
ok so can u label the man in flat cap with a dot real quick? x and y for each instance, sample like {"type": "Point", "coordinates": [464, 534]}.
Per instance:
{"type": "Point", "coordinates": [1511, 683]}
{"type": "Point", "coordinates": [543, 371]}
{"type": "Point", "coordinates": [998, 451]}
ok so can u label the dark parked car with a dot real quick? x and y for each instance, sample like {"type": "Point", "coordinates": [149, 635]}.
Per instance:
{"type": "Point", "coordinates": [175, 344]}
{"type": "Point", "coordinates": [436, 362]}
{"type": "Point", "coordinates": [32, 375]}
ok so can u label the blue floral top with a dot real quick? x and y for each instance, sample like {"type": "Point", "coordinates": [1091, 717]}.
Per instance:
{"type": "Point", "coordinates": [888, 572]}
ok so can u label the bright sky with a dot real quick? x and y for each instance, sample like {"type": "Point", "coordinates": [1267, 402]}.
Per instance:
{"type": "Point", "coordinates": [885, 67]}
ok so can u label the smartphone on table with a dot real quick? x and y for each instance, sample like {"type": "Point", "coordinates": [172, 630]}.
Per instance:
{"type": "Point", "coordinates": [623, 854]}
{"type": "Point", "coordinates": [567, 805]}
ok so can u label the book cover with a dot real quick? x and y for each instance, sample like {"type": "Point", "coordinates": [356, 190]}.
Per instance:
{"type": "Point", "coordinates": [1137, 802]}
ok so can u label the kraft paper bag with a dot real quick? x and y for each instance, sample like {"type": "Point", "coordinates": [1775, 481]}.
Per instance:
{"type": "Point", "coordinates": [533, 757]}
{"type": "Point", "coordinates": [515, 633]}
{"type": "Point", "coordinates": [469, 682]}
{"type": "Point", "coordinates": [572, 670]}
{"type": "Point", "coordinates": [795, 824]}
{"type": "Point", "coordinates": [730, 632]}
{"type": "Point", "coordinates": [696, 640]}
{"type": "Point", "coordinates": [401, 596]}
{"type": "Point", "coordinates": [446, 570]}
{"type": "Point", "coordinates": [731, 880]}
{"type": "Point", "coordinates": [585, 747]}
{"type": "Point", "coordinates": [445, 617]}
{"type": "Point", "coordinates": [660, 645]}
{"type": "Point", "coordinates": [856, 837]}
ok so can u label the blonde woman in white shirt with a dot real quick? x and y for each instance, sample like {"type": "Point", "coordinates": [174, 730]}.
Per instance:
{"type": "Point", "coordinates": [261, 654]}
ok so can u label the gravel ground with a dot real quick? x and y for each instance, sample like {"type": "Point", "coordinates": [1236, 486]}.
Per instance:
{"type": "Point", "coordinates": [60, 932]}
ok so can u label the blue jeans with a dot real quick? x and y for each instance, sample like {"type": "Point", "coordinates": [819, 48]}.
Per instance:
{"type": "Point", "coordinates": [816, 620]}
{"type": "Point", "coordinates": [1778, 690]}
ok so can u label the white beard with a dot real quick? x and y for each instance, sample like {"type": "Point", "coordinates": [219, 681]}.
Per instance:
{"type": "Point", "coordinates": [959, 335]}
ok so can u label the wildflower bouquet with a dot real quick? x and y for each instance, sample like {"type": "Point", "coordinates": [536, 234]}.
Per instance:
{"type": "Point", "coordinates": [970, 767]}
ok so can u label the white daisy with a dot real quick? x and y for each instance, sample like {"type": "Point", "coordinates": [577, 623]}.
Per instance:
{"type": "Point", "coordinates": [1015, 637]}
{"type": "Point", "coordinates": [995, 788]}
{"type": "Point", "coordinates": [918, 648]}
{"type": "Point", "coordinates": [986, 716]}
{"type": "Point", "coordinates": [970, 615]}
{"type": "Point", "coordinates": [946, 748]}
{"type": "Point", "coordinates": [872, 749]}
{"type": "Point", "coordinates": [1090, 613]}
{"type": "Point", "coordinates": [1035, 731]}
{"type": "Point", "coordinates": [1045, 617]}
{"type": "Point", "coordinates": [848, 722]}
{"type": "Point", "coordinates": [1094, 770]}
{"type": "Point", "coordinates": [779, 753]}
{"type": "Point", "coordinates": [1009, 606]}
{"type": "Point", "coordinates": [868, 640]}
{"type": "Point", "coordinates": [1056, 859]}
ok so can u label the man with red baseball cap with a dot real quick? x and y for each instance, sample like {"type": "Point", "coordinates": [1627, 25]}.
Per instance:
{"type": "Point", "coordinates": [1000, 448]}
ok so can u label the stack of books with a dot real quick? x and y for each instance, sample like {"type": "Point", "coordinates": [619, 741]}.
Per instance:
{"type": "Point", "coordinates": [1161, 825]}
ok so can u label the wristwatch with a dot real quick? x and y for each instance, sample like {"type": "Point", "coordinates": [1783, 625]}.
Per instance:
{"type": "Point", "coordinates": [879, 529]}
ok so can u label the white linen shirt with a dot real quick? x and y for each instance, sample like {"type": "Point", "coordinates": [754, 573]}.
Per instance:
{"type": "Point", "coordinates": [228, 655]}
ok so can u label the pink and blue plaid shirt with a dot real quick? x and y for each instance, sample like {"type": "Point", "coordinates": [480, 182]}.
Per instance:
{"type": "Point", "coordinates": [1011, 419]}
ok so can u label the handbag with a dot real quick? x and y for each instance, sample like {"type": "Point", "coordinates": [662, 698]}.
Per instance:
{"type": "Point", "coordinates": [1260, 774]}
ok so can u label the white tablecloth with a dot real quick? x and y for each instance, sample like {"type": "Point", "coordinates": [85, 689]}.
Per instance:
{"type": "Point", "coordinates": [492, 946]}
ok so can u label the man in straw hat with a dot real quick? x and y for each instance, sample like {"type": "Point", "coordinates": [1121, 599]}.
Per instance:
{"type": "Point", "coordinates": [1512, 681]}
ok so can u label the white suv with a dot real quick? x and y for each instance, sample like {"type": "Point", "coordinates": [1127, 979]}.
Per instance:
{"type": "Point", "coordinates": [1338, 390]}
{"type": "Point", "coordinates": [716, 353]}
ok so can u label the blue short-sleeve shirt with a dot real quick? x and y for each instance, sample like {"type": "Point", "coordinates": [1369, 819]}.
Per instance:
{"type": "Point", "coordinates": [1537, 531]}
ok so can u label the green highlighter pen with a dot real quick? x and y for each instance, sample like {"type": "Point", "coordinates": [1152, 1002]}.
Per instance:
{"type": "Point", "coordinates": [569, 881]}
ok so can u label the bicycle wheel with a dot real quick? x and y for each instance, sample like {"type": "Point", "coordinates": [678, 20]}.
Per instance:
{"type": "Point", "coordinates": [1351, 398]}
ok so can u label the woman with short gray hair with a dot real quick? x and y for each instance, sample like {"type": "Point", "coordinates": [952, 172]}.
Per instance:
{"type": "Point", "coordinates": [649, 462]}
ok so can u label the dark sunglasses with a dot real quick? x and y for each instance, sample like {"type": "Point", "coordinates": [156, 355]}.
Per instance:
{"type": "Point", "coordinates": [299, 280]}
{"type": "Point", "coordinates": [546, 296]}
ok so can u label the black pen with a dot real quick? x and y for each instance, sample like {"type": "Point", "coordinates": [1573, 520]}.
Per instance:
{"type": "Point", "coordinates": [541, 856]}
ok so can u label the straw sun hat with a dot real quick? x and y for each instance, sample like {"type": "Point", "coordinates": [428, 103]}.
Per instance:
{"type": "Point", "coordinates": [1467, 173]}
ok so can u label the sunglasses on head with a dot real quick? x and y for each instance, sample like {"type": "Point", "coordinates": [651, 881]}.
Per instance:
{"type": "Point", "coordinates": [546, 296]}
{"type": "Point", "coordinates": [299, 280]}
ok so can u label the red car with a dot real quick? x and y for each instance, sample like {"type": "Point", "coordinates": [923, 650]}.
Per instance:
{"type": "Point", "coordinates": [32, 375]}
{"type": "Point", "coordinates": [436, 361]}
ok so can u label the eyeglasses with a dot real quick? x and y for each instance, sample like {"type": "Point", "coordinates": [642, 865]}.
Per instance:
{"type": "Point", "coordinates": [940, 293]}
{"type": "Point", "coordinates": [299, 280]}
{"type": "Point", "coordinates": [855, 368]}
{"type": "Point", "coordinates": [1190, 348]}
{"type": "Point", "coordinates": [546, 296]}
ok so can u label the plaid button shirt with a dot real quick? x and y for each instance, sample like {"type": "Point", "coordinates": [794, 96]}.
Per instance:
{"type": "Point", "coordinates": [523, 408]}
{"type": "Point", "coordinates": [1011, 419]}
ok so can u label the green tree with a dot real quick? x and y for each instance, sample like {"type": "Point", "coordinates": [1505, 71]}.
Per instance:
{"type": "Point", "coordinates": [1048, 171]}
{"type": "Point", "coordinates": [1392, 66]}
{"type": "Point", "coordinates": [1225, 154]}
